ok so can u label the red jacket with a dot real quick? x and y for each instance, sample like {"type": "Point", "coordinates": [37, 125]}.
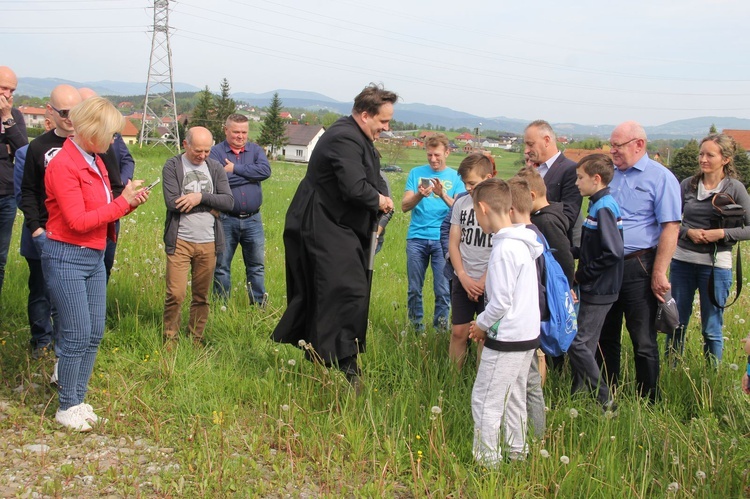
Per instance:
{"type": "Point", "coordinates": [77, 203]}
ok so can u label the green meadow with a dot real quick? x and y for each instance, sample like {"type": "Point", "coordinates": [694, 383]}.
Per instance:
{"type": "Point", "coordinates": [250, 418]}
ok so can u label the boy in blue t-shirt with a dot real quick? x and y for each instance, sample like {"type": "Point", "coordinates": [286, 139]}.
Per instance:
{"type": "Point", "coordinates": [429, 194]}
{"type": "Point", "coordinates": [599, 273]}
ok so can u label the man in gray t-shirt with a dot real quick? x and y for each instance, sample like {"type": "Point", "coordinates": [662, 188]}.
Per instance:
{"type": "Point", "coordinates": [196, 190]}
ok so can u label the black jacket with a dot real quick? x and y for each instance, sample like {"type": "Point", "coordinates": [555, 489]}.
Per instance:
{"type": "Point", "coordinates": [552, 222]}
{"type": "Point", "coordinates": [560, 181]}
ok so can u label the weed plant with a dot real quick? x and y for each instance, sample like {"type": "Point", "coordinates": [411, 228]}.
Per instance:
{"type": "Point", "coordinates": [248, 417]}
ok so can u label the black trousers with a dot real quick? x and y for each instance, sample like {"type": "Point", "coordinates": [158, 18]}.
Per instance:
{"type": "Point", "coordinates": [637, 304]}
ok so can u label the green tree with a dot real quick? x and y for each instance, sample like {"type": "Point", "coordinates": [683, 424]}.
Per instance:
{"type": "Point", "coordinates": [685, 161]}
{"type": "Point", "coordinates": [712, 129]}
{"type": "Point", "coordinates": [273, 130]}
{"type": "Point", "coordinates": [329, 119]}
{"type": "Point", "coordinates": [204, 112]}
{"type": "Point", "coordinates": [742, 164]}
{"type": "Point", "coordinates": [224, 106]}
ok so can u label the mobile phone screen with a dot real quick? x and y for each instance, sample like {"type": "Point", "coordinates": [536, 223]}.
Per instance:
{"type": "Point", "coordinates": [153, 184]}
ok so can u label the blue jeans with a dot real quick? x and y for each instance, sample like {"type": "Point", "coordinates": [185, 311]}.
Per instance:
{"type": "Point", "coordinates": [38, 306]}
{"type": "Point", "coordinates": [78, 288]}
{"type": "Point", "coordinates": [419, 254]}
{"type": "Point", "coordinates": [686, 278]}
{"type": "Point", "coordinates": [7, 216]}
{"type": "Point", "coordinates": [109, 252]}
{"type": "Point", "coordinates": [247, 232]}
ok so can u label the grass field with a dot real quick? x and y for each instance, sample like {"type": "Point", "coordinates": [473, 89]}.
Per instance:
{"type": "Point", "coordinates": [247, 417]}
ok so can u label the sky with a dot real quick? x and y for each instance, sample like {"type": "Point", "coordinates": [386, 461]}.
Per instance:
{"type": "Point", "coordinates": [587, 62]}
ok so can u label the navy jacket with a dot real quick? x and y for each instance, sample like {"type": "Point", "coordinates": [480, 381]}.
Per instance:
{"type": "Point", "coordinates": [251, 167]}
{"type": "Point", "coordinates": [601, 255]}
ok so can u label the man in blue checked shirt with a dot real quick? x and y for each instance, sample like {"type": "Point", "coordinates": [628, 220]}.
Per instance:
{"type": "Point", "coordinates": [247, 166]}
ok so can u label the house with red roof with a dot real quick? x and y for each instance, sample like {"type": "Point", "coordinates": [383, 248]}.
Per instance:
{"type": "Point", "coordinates": [742, 137]}
{"type": "Point", "coordinates": [130, 133]}
{"type": "Point", "coordinates": [33, 116]}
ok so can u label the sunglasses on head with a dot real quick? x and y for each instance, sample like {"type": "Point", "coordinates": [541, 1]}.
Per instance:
{"type": "Point", "coordinates": [64, 113]}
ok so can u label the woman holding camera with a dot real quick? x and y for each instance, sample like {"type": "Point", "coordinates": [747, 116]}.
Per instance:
{"type": "Point", "coordinates": [705, 244]}
{"type": "Point", "coordinates": [82, 212]}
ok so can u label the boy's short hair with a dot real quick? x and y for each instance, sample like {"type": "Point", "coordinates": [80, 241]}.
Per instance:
{"type": "Point", "coordinates": [520, 195]}
{"type": "Point", "coordinates": [598, 164]}
{"type": "Point", "coordinates": [495, 193]}
{"type": "Point", "coordinates": [535, 181]}
{"type": "Point", "coordinates": [478, 163]}
{"type": "Point", "coordinates": [439, 139]}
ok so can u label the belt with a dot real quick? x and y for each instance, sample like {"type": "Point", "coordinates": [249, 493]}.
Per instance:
{"type": "Point", "coordinates": [245, 215]}
{"type": "Point", "coordinates": [636, 254]}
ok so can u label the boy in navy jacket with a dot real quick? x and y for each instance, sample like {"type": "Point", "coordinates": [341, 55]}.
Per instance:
{"type": "Point", "coordinates": [599, 273]}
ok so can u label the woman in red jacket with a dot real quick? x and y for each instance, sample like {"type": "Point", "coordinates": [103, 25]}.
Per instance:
{"type": "Point", "coordinates": [82, 212]}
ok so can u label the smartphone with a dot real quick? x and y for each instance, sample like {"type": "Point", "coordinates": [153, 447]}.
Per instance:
{"type": "Point", "coordinates": [153, 184]}
{"type": "Point", "coordinates": [426, 183]}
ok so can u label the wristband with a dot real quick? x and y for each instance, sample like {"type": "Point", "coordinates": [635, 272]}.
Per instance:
{"type": "Point", "coordinates": [748, 365]}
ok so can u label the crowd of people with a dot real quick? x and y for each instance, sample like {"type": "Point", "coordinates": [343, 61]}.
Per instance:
{"type": "Point", "coordinates": [642, 235]}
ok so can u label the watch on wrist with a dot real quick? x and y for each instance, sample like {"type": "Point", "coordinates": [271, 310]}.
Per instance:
{"type": "Point", "coordinates": [9, 122]}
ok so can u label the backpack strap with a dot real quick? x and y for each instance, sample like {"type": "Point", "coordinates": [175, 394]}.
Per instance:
{"type": "Point", "coordinates": [738, 270]}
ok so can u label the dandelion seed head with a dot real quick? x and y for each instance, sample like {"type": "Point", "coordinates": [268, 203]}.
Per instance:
{"type": "Point", "coordinates": [700, 475]}
{"type": "Point", "coordinates": [733, 367]}
{"type": "Point", "coordinates": [544, 453]}
{"type": "Point", "coordinates": [291, 362]}
{"type": "Point", "coordinates": [436, 410]}
{"type": "Point", "coordinates": [223, 308]}
{"type": "Point", "coordinates": [301, 343]}
{"type": "Point", "coordinates": [673, 487]}
{"type": "Point", "coordinates": [285, 408]}
{"type": "Point", "coordinates": [565, 459]}
{"type": "Point", "coordinates": [573, 413]}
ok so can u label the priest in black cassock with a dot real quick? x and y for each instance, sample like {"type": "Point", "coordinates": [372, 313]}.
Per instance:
{"type": "Point", "coordinates": [327, 237]}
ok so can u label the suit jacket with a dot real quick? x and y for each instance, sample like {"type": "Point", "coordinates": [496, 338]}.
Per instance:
{"type": "Point", "coordinates": [561, 188]}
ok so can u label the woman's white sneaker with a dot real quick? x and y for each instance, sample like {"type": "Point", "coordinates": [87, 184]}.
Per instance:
{"type": "Point", "coordinates": [73, 418]}
{"type": "Point", "coordinates": [91, 416]}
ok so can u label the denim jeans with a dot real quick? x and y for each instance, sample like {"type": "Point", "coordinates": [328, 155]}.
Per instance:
{"type": "Point", "coordinates": [7, 216]}
{"type": "Point", "coordinates": [109, 252]}
{"type": "Point", "coordinates": [686, 278]}
{"type": "Point", "coordinates": [419, 254]}
{"type": "Point", "coordinates": [78, 289]}
{"type": "Point", "coordinates": [38, 306]}
{"type": "Point", "coordinates": [248, 233]}
{"type": "Point", "coordinates": [44, 312]}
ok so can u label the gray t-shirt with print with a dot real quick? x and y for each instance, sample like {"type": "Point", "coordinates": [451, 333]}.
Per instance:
{"type": "Point", "coordinates": [196, 227]}
{"type": "Point", "coordinates": [475, 245]}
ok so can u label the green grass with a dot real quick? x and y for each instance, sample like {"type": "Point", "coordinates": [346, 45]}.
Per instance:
{"type": "Point", "coordinates": [248, 417]}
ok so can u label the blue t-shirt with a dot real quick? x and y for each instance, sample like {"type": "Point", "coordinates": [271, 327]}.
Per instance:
{"type": "Point", "coordinates": [429, 213]}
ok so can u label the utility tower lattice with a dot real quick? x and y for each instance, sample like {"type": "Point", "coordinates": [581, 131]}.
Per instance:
{"type": "Point", "coordinates": [159, 125]}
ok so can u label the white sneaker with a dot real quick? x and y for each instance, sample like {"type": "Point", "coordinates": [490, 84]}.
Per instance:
{"type": "Point", "coordinates": [73, 418]}
{"type": "Point", "coordinates": [90, 415]}
{"type": "Point", "coordinates": [53, 378]}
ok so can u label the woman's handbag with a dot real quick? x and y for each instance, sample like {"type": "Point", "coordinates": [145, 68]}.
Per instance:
{"type": "Point", "coordinates": [727, 214]}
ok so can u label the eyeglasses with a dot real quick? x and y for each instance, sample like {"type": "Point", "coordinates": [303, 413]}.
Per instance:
{"type": "Point", "coordinates": [64, 113]}
{"type": "Point", "coordinates": [612, 145]}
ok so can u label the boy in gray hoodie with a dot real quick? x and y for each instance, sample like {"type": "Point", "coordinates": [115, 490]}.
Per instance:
{"type": "Point", "coordinates": [508, 328]}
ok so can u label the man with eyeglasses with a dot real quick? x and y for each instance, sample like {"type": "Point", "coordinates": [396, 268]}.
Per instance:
{"type": "Point", "coordinates": [12, 138]}
{"type": "Point", "coordinates": [649, 197]}
{"type": "Point", "coordinates": [558, 172]}
{"type": "Point", "coordinates": [33, 194]}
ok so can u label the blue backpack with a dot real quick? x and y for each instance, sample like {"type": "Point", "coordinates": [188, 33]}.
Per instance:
{"type": "Point", "coordinates": [561, 327]}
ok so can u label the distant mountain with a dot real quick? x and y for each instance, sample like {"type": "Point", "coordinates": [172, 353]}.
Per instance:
{"type": "Point", "coordinates": [421, 114]}
{"type": "Point", "coordinates": [41, 87]}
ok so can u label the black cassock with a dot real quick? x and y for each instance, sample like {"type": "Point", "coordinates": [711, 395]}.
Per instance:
{"type": "Point", "coordinates": [326, 237]}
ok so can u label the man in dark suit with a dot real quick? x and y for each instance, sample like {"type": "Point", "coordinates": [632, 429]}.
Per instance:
{"type": "Point", "coordinates": [327, 235]}
{"type": "Point", "coordinates": [558, 172]}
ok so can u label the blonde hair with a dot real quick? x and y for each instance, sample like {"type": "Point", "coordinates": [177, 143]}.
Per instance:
{"type": "Point", "coordinates": [520, 195]}
{"type": "Point", "coordinates": [535, 181]}
{"type": "Point", "coordinates": [95, 121]}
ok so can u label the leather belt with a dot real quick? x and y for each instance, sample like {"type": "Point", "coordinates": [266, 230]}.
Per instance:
{"type": "Point", "coordinates": [245, 215]}
{"type": "Point", "coordinates": [636, 254]}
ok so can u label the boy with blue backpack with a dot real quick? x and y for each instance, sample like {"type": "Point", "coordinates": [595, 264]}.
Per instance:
{"type": "Point", "coordinates": [599, 273]}
{"type": "Point", "coordinates": [552, 285]}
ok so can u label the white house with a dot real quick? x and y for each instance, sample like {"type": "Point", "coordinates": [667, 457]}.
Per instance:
{"type": "Point", "coordinates": [300, 141]}
{"type": "Point", "coordinates": [33, 116]}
